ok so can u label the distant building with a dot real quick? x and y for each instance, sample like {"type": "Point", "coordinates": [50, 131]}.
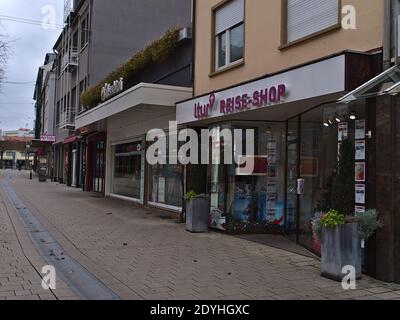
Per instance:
{"type": "Point", "coordinates": [98, 36]}
{"type": "Point", "coordinates": [18, 133]}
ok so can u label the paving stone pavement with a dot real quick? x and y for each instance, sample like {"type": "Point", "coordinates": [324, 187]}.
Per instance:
{"type": "Point", "coordinates": [143, 253]}
{"type": "Point", "coordinates": [20, 264]}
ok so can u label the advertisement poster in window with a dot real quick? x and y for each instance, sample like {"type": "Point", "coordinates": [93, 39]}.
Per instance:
{"type": "Point", "coordinates": [343, 131]}
{"type": "Point", "coordinates": [254, 166]}
{"type": "Point", "coordinates": [309, 167]}
{"type": "Point", "coordinates": [360, 193]}
{"type": "Point", "coordinates": [360, 149]}
{"type": "Point", "coordinates": [359, 209]}
{"type": "Point", "coordinates": [360, 172]}
{"type": "Point", "coordinates": [360, 129]}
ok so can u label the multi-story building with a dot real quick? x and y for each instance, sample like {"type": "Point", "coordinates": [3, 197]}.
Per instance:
{"type": "Point", "coordinates": [136, 98]}
{"type": "Point", "coordinates": [281, 69]}
{"type": "Point", "coordinates": [98, 37]}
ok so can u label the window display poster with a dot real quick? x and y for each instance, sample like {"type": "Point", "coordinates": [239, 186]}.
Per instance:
{"type": "Point", "coordinates": [360, 172]}
{"type": "Point", "coordinates": [359, 209]}
{"type": "Point", "coordinates": [360, 129]}
{"type": "Point", "coordinates": [360, 193]}
{"type": "Point", "coordinates": [360, 150]}
{"type": "Point", "coordinates": [343, 131]}
{"type": "Point", "coordinates": [161, 190]}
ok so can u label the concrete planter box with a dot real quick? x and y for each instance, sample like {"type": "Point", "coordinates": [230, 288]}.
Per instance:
{"type": "Point", "coordinates": [340, 246]}
{"type": "Point", "coordinates": [197, 211]}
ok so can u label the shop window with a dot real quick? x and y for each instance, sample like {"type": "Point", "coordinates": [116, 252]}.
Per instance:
{"type": "Point", "coordinates": [84, 32]}
{"type": "Point", "coordinates": [303, 19]}
{"type": "Point", "coordinates": [127, 171]}
{"type": "Point", "coordinates": [229, 34]}
{"type": "Point", "coordinates": [247, 202]}
{"type": "Point", "coordinates": [322, 133]}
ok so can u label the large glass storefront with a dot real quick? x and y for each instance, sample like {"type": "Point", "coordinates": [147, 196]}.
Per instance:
{"type": "Point", "coordinates": [305, 150]}
{"type": "Point", "coordinates": [128, 170]}
{"type": "Point", "coordinates": [314, 144]}
{"type": "Point", "coordinates": [165, 186]}
{"type": "Point", "coordinates": [243, 201]}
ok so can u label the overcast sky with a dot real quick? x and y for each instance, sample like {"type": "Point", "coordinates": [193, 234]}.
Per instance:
{"type": "Point", "coordinates": [29, 44]}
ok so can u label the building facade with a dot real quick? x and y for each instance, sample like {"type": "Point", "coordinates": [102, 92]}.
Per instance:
{"type": "Point", "coordinates": [145, 100]}
{"type": "Point", "coordinates": [280, 69]}
{"type": "Point", "coordinates": [90, 47]}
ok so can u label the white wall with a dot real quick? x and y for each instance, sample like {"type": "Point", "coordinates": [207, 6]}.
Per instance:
{"type": "Point", "coordinates": [132, 125]}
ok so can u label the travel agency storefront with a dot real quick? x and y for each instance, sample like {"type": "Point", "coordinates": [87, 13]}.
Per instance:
{"type": "Point", "coordinates": [127, 118]}
{"type": "Point", "coordinates": [299, 127]}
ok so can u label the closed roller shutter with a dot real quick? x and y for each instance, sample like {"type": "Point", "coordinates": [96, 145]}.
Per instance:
{"type": "Point", "coordinates": [305, 17]}
{"type": "Point", "coordinates": [229, 15]}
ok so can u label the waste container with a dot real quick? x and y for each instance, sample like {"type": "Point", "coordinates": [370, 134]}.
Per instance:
{"type": "Point", "coordinates": [42, 174]}
{"type": "Point", "coordinates": [197, 211]}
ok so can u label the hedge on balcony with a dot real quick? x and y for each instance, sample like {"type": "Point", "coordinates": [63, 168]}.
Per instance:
{"type": "Point", "coordinates": [155, 52]}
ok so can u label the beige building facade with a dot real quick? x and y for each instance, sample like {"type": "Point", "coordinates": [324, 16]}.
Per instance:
{"type": "Point", "coordinates": [279, 68]}
{"type": "Point", "coordinates": [265, 48]}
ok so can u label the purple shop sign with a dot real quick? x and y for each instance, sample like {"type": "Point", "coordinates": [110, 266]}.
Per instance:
{"type": "Point", "coordinates": [243, 102]}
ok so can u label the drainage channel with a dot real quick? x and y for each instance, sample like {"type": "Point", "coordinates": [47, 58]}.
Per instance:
{"type": "Point", "coordinates": [84, 284]}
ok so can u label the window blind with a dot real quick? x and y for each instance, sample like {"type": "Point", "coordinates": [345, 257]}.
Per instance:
{"type": "Point", "coordinates": [305, 17]}
{"type": "Point", "coordinates": [229, 15]}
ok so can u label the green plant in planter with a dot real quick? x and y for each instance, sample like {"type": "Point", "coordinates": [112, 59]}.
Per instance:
{"type": "Point", "coordinates": [368, 223]}
{"type": "Point", "coordinates": [190, 195]}
{"type": "Point", "coordinates": [343, 185]}
{"type": "Point", "coordinates": [154, 53]}
{"type": "Point", "coordinates": [332, 219]}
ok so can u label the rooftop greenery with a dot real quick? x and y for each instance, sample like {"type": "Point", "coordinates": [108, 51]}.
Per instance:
{"type": "Point", "coordinates": [156, 52]}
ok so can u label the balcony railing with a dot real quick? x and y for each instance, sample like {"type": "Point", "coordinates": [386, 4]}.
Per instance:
{"type": "Point", "coordinates": [70, 60]}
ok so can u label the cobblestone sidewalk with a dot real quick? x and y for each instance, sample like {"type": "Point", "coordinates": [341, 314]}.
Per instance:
{"type": "Point", "coordinates": [144, 254]}
{"type": "Point", "coordinates": [20, 264]}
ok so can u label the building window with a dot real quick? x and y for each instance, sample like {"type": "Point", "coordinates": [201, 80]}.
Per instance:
{"type": "Point", "coordinates": [229, 34]}
{"type": "Point", "coordinates": [303, 19]}
{"type": "Point", "coordinates": [84, 32]}
{"type": "Point", "coordinates": [128, 170]}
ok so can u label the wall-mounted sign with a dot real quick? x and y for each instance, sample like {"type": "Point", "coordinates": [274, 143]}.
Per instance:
{"type": "Point", "coordinates": [360, 150]}
{"type": "Point", "coordinates": [298, 84]}
{"type": "Point", "coordinates": [360, 129]}
{"type": "Point", "coordinates": [360, 194]}
{"type": "Point", "coordinates": [343, 131]}
{"type": "Point", "coordinates": [360, 172]}
{"type": "Point", "coordinates": [46, 138]}
{"type": "Point", "coordinates": [241, 102]}
{"type": "Point", "coordinates": [110, 90]}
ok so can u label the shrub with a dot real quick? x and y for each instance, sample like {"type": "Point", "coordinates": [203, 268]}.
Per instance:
{"type": "Point", "coordinates": [332, 219]}
{"type": "Point", "coordinates": [368, 223]}
{"type": "Point", "coordinates": [190, 195]}
{"type": "Point", "coordinates": [343, 186]}
{"type": "Point", "coordinates": [155, 52]}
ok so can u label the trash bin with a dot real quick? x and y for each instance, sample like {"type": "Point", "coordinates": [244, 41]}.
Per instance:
{"type": "Point", "coordinates": [197, 211]}
{"type": "Point", "coordinates": [42, 174]}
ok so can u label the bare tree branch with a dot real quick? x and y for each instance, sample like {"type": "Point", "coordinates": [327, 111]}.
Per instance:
{"type": "Point", "coordinates": [3, 56]}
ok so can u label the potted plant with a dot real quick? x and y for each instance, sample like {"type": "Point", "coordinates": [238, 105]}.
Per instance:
{"type": "Point", "coordinates": [340, 238]}
{"type": "Point", "coordinates": [197, 211]}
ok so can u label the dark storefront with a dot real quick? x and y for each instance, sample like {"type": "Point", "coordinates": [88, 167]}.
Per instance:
{"type": "Point", "coordinates": [94, 162]}
{"type": "Point", "coordinates": [296, 155]}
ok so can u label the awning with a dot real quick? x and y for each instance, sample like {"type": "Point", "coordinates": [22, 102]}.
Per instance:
{"type": "Point", "coordinates": [139, 95]}
{"type": "Point", "coordinates": [387, 83]}
{"type": "Point", "coordinates": [71, 139]}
